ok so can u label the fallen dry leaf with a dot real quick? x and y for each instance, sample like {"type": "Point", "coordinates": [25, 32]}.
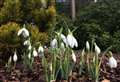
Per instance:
{"type": "Point", "coordinates": [105, 80]}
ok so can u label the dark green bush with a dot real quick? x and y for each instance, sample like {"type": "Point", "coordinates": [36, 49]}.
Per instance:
{"type": "Point", "coordinates": [101, 21]}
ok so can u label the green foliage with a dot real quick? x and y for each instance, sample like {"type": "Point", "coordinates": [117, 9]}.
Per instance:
{"type": "Point", "coordinates": [11, 11]}
{"type": "Point", "coordinates": [99, 21]}
{"type": "Point", "coordinates": [39, 12]}
{"type": "Point", "coordinates": [37, 36]}
{"type": "Point", "coordinates": [9, 39]}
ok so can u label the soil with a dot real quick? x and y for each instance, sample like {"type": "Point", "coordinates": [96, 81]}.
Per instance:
{"type": "Point", "coordinates": [18, 74]}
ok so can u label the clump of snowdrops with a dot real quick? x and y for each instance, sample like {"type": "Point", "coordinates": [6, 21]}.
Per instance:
{"type": "Point", "coordinates": [91, 58]}
{"type": "Point", "coordinates": [30, 51]}
{"type": "Point", "coordinates": [63, 57]}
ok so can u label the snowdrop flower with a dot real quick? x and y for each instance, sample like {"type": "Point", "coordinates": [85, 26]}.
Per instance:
{"type": "Point", "coordinates": [29, 47]}
{"type": "Point", "coordinates": [62, 45]}
{"type": "Point", "coordinates": [24, 32]}
{"type": "Point", "coordinates": [35, 54]}
{"type": "Point", "coordinates": [97, 49]}
{"type": "Point", "coordinates": [54, 43]}
{"type": "Point", "coordinates": [29, 55]}
{"type": "Point", "coordinates": [112, 62]}
{"type": "Point", "coordinates": [73, 56]}
{"type": "Point", "coordinates": [72, 42]}
{"type": "Point", "coordinates": [27, 43]}
{"type": "Point", "coordinates": [40, 49]}
{"type": "Point", "coordinates": [15, 57]}
{"type": "Point", "coordinates": [51, 67]}
{"type": "Point", "coordinates": [87, 46]}
{"type": "Point", "coordinates": [63, 38]}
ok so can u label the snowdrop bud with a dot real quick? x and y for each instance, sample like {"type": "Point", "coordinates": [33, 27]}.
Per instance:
{"type": "Point", "coordinates": [29, 55]}
{"type": "Point", "coordinates": [35, 54]}
{"type": "Point", "coordinates": [51, 67]}
{"type": "Point", "coordinates": [29, 47]}
{"type": "Point", "coordinates": [87, 46]}
{"type": "Point", "coordinates": [62, 45]}
{"type": "Point", "coordinates": [63, 38]}
{"type": "Point", "coordinates": [40, 49]}
{"type": "Point", "coordinates": [54, 43]}
{"type": "Point", "coordinates": [73, 56]}
{"type": "Point", "coordinates": [24, 32]}
{"type": "Point", "coordinates": [97, 49]}
{"type": "Point", "coordinates": [83, 52]}
{"type": "Point", "coordinates": [112, 62]}
{"type": "Point", "coordinates": [15, 57]}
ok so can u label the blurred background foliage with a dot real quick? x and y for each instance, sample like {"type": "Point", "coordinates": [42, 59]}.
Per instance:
{"type": "Point", "coordinates": [100, 21]}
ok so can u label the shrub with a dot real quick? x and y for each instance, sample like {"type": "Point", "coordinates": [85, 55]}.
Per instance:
{"type": "Point", "coordinates": [11, 11]}
{"type": "Point", "coordinates": [36, 35]}
{"type": "Point", "coordinates": [100, 21]}
{"type": "Point", "coordinates": [9, 40]}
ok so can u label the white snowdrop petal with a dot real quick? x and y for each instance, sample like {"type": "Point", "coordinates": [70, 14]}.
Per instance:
{"type": "Point", "coordinates": [40, 49]}
{"type": "Point", "coordinates": [112, 62]}
{"type": "Point", "coordinates": [73, 56]}
{"type": "Point", "coordinates": [87, 45]}
{"type": "Point", "coordinates": [35, 54]}
{"type": "Point", "coordinates": [54, 43]}
{"type": "Point", "coordinates": [64, 38]}
{"type": "Point", "coordinates": [29, 47]}
{"type": "Point", "coordinates": [19, 32]}
{"type": "Point", "coordinates": [97, 49]}
{"type": "Point", "coordinates": [75, 42]}
{"type": "Point", "coordinates": [24, 32]}
{"type": "Point", "coordinates": [15, 57]}
{"type": "Point", "coordinates": [29, 55]}
{"type": "Point", "coordinates": [70, 41]}
{"type": "Point", "coordinates": [62, 45]}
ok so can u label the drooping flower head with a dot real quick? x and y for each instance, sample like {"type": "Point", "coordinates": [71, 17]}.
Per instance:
{"type": "Point", "coordinates": [54, 43]}
{"type": "Point", "coordinates": [71, 40]}
{"type": "Point", "coordinates": [15, 57]}
{"type": "Point", "coordinates": [97, 49]}
{"type": "Point", "coordinates": [23, 32]}
{"type": "Point", "coordinates": [112, 61]}
{"type": "Point", "coordinates": [40, 49]}
{"type": "Point", "coordinates": [35, 54]}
